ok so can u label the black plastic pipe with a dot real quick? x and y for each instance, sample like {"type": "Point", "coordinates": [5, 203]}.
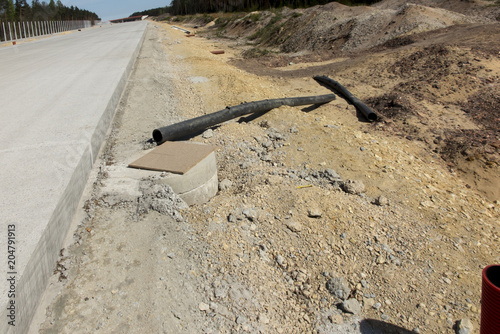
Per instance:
{"type": "Point", "coordinates": [342, 91]}
{"type": "Point", "coordinates": [190, 126]}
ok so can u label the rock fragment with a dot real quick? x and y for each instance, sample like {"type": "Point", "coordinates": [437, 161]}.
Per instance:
{"type": "Point", "coordinates": [338, 287]}
{"type": "Point", "coordinates": [241, 320]}
{"type": "Point", "coordinates": [293, 225]}
{"type": "Point", "coordinates": [208, 134]}
{"type": "Point", "coordinates": [464, 326]}
{"type": "Point", "coordinates": [250, 214]}
{"type": "Point", "coordinates": [381, 201]}
{"type": "Point", "coordinates": [225, 185]}
{"type": "Point", "coordinates": [263, 318]}
{"type": "Point", "coordinates": [281, 260]}
{"type": "Point", "coordinates": [204, 307]}
{"type": "Point", "coordinates": [351, 306]}
{"type": "Point", "coordinates": [354, 187]}
{"type": "Point", "coordinates": [314, 211]}
{"type": "Point", "coordinates": [335, 318]}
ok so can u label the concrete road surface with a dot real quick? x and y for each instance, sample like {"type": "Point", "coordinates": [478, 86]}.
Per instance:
{"type": "Point", "coordinates": [57, 98]}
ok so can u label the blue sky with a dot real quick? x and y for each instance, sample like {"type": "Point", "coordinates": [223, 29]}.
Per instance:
{"type": "Point", "coordinates": [115, 9]}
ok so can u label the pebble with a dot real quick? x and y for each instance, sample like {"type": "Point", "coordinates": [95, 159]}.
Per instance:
{"type": "Point", "coordinates": [263, 318]}
{"type": "Point", "coordinates": [332, 174]}
{"type": "Point", "coordinates": [241, 320]}
{"type": "Point", "coordinates": [267, 144]}
{"type": "Point", "coordinates": [280, 260]}
{"type": "Point", "coordinates": [225, 184]}
{"type": "Point", "coordinates": [380, 259]}
{"type": "Point", "coordinates": [464, 326]}
{"type": "Point", "coordinates": [265, 157]}
{"type": "Point", "coordinates": [314, 212]}
{"type": "Point", "coordinates": [377, 306]}
{"type": "Point", "coordinates": [293, 225]}
{"type": "Point", "coordinates": [354, 187]}
{"type": "Point", "coordinates": [208, 134]}
{"type": "Point", "coordinates": [381, 201]}
{"type": "Point", "coordinates": [204, 307]}
{"type": "Point", "coordinates": [250, 214]}
{"type": "Point", "coordinates": [220, 292]}
{"type": "Point", "coordinates": [338, 287]}
{"type": "Point", "coordinates": [176, 314]}
{"type": "Point", "coordinates": [335, 318]}
{"type": "Point", "coordinates": [368, 303]}
{"type": "Point", "coordinates": [351, 306]}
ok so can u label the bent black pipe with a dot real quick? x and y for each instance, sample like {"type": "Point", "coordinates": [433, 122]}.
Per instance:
{"type": "Point", "coordinates": [197, 124]}
{"type": "Point", "coordinates": [342, 91]}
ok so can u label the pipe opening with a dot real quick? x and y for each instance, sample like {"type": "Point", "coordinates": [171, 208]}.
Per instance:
{"type": "Point", "coordinates": [157, 136]}
{"type": "Point", "coordinates": [372, 117]}
{"type": "Point", "coordinates": [493, 275]}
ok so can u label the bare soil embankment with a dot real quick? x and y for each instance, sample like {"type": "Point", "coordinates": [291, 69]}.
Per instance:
{"type": "Point", "coordinates": [323, 222]}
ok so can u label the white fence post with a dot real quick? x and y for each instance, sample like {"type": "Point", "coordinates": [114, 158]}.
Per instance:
{"type": "Point", "coordinates": [4, 32]}
{"type": "Point", "coordinates": [29, 29]}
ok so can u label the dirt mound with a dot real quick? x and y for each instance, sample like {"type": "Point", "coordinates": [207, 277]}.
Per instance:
{"type": "Point", "coordinates": [335, 28]}
{"type": "Point", "coordinates": [480, 10]}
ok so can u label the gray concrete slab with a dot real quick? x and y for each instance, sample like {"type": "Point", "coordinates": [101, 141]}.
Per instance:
{"type": "Point", "coordinates": [57, 99]}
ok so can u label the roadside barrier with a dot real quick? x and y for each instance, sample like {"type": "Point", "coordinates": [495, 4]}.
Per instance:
{"type": "Point", "coordinates": [19, 30]}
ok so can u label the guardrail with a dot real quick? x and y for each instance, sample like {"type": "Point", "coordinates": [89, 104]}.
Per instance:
{"type": "Point", "coordinates": [14, 31]}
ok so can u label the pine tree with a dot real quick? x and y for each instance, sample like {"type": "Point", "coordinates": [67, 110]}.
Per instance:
{"type": "Point", "coordinates": [10, 11]}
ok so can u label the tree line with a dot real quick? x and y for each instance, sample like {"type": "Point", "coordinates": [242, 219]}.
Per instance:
{"type": "Point", "coordinates": [20, 10]}
{"type": "Point", "coordinates": [189, 7]}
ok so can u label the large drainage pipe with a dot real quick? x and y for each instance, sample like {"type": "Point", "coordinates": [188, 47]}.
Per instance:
{"type": "Point", "coordinates": [190, 126]}
{"type": "Point", "coordinates": [490, 300]}
{"type": "Point", "coordinates": [342, 91]}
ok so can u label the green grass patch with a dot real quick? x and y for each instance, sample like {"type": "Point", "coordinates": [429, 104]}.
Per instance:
{"type": "Point", "coordinates": [255, 17]}
{"type": "Point", "coordinates": [256, 53]}
{"type": "Point", "coordinates": [269, 30]}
